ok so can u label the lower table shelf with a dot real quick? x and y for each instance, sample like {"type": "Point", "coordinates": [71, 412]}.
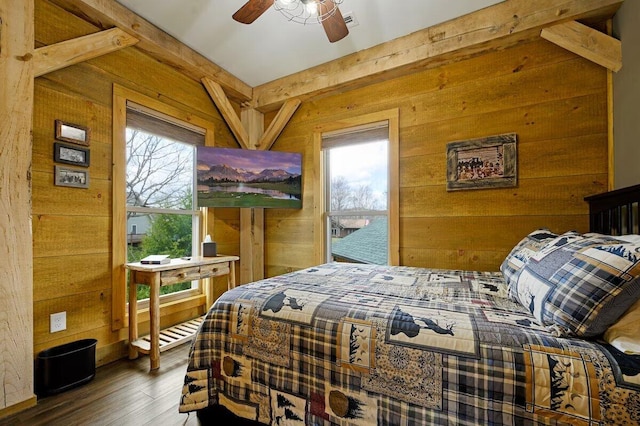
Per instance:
{"type": "Point", "coordinates": [170, 337]}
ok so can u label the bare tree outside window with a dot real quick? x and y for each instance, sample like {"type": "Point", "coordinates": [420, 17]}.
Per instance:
{"type": "Point", "coordinates": [159, 171]}
{"type": "Point", "coordinates": [345, 196]}
{"type": "Point", "coordinates": [340, 194]}
{"type": "Point", "coordinates": [364, 198]}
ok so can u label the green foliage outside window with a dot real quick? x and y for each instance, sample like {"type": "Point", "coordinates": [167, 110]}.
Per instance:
{"type": "Point", "coordinates": [169, 234]}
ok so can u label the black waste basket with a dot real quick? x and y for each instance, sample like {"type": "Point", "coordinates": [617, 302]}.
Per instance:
{"type": "Point", "coordinates": [66, 366]}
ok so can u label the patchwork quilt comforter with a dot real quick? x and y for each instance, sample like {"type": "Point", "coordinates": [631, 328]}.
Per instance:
{"type": "Point", "coordinates": [351, 344]}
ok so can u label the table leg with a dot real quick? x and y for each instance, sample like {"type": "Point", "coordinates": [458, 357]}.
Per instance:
{"type": "Point", "coordinates": [154, 321]}
{"type": "Point", "coordinates": [208, 291]}
{"type": "Point", "coordinates": [133, 315]}
{"type": "Point", "coordinates": [231, 279]}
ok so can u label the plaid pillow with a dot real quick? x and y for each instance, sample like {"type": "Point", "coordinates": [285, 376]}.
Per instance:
{"type": "Point", "coordinates": [580, 285]}
{"type": "Point", "coordinates": [528, 246]}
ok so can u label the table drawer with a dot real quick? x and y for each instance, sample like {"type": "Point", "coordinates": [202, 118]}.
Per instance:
{"type": "Point", "coordinates": [214, 270]}
{"type": "Point", "coordinates": [180, 275]}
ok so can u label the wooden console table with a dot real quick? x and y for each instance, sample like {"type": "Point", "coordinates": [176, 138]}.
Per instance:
{"type": "Point", "coordinates": [156, 276]}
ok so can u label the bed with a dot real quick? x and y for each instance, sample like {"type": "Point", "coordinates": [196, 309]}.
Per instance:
{"type": "Point", "coordinates": [551, 339]}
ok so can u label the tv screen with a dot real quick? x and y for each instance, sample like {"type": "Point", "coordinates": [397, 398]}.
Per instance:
{"type": "Point", "coordinates": [230, 177]}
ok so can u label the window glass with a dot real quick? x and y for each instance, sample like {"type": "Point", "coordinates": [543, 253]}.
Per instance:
{"type": "Point", "coordinates": [161, 218]}
{"type": "Point", "coordinates": [358, 176]}
{"type": "Point", "coordinates": [357, 201]}
{"type": "Point", "coordinates": [159, 171]}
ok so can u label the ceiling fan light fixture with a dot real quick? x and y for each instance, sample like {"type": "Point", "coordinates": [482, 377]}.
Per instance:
{"type": "Point", "coordinates": [312, 8]}
{"type": "Point", "coordinates": [307, 11]}
{"type": "Point", "coordinates": [325, 12]}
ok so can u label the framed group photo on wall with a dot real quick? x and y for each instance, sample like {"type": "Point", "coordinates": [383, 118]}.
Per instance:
{"type": "Point", "coordinates": [489, 162]}
{"type": "Point", "coordinates": [71, 176]}
{"type": "Point", "coordinates": [70, 154]}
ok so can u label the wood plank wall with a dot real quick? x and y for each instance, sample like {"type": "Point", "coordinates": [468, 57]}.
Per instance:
{"type": "Point", "coordinates": [555, 101]}
{"type": "Point", "coordinates": [72, 227]}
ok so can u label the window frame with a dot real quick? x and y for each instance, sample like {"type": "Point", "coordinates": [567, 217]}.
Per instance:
{"type": "Point", "coordinates": [392, 117]}
{"type": "Point", "coordinates": [119, 316]}
{"type": "Point", "coordinates": [330, 214]}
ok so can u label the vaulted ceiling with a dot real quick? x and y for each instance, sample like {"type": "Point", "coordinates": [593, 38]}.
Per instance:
{"type": "Point", "coordinates": [201, 40]}
{"type": "Point", "coordinates": [273, 47]}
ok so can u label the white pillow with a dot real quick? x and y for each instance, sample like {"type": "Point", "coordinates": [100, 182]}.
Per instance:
{"type": "Point", "coordinates": [631, 238]}
{"type": "Point", "coordinates": [624, 334]}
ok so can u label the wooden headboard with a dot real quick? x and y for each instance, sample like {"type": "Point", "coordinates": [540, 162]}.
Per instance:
{"type": "Point", "coordinates": [615, 212]}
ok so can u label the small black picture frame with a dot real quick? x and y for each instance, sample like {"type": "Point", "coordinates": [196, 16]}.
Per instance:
{"type": "Point", "coordinates": [70, 154]}
{"type": "Point", "coordinates": [71, 176]}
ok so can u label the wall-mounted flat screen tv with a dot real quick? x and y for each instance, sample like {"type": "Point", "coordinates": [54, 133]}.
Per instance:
{"type": "Point", "coordinates": [230, 177]}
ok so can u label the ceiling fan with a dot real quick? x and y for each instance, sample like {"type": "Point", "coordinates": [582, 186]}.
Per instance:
{"type": "Point", "coordinates": [302, 11]}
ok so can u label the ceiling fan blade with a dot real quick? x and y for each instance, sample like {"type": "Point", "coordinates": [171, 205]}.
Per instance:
{"type": "Point", "coordinates": [334, 25]}
{"type": "Point", "coordinates": [252, 10]}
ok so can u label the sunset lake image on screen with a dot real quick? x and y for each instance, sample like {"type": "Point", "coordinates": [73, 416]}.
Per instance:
{"type": "Point", "coordinates": [229, 177]}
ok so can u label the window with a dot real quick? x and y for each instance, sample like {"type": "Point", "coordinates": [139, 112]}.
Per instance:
{"type": "Point", "coordinates": [359, 163]}
{"type": "Point", "coordinates": [356, 194]}
{"type": "Point", "coordinates": [153, 194]}
{"type": "Point", "coordinates": [160, 190]}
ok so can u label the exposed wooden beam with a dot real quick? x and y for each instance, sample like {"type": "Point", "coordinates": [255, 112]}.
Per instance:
{"type": "Point", "coordinates": [611, 153]}
{"type": "Point", "coordinates": [586, 42]}
{"type": "Point", "coordinates": [16, 250]}
{"type": "Point", "coordinates": [279, 123]}
{"type": "Point", "coordinates": [498, 26]}
{"type": "Point", "coordinates": [69, 52]}
{"type": "Point", "coordinates": [226, 110]}
{"type": "Point", "coordinates": [160, 45]}
{"type": "Point", "coordinates": [253, 123]}
{"type": "Point", "coordinates": [252, 219]}
{"type": "Point", "coordinates": [251, 244]}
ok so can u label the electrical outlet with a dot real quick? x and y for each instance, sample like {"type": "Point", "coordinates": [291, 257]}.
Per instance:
{"type": "Point", "coordinates": [58, 322]}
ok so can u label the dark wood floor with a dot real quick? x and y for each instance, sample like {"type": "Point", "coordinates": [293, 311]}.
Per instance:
{"type": "Point", "coordinates": [122, 393]}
